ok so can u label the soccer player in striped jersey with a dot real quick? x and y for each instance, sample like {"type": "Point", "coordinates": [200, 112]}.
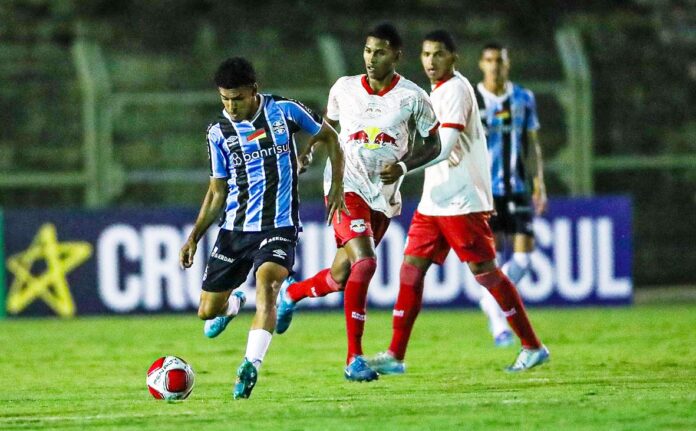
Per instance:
{"type": "Point", "coordinates": [374, 111]}
{"type": "Point", "coordinates": [509, 115]}
{"type": "Point", "coordinates": [253, 177]}
{"type": "Point", "coordinates": [453, 213]}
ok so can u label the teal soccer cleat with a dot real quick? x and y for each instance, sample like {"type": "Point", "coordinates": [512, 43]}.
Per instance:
{"type": "Point", "coordinates": [246, 380]}
{"type": "Point", "coordinates": [214, 327]}
{"type": "Point", "coordinates": [385, 363]}
{"type": "Point", "coordinates": [286, 307]}
{"type": "Point", "coordinates": [529, 358]}
{"type": "Point", "coordinates": [359, 371]}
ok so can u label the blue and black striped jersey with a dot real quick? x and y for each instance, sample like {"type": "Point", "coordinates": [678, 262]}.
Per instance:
{"type": "Point", "coordinates": [507, 119]}
{"type": "Point", "coordinates": [259, 159]}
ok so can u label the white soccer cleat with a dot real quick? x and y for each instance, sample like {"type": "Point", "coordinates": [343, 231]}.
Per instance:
{"type": "Point", "coordinates": [529, 358]}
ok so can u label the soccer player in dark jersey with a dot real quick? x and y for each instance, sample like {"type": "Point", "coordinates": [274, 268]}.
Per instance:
{"type": "Point", "coordinates": [509, 115]}
{"type": "Point", "coordinates": [253, 177]}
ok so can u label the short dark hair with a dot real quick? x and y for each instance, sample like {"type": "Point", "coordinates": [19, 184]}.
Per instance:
{"type": "Point", "coordinates": [387, 31]}
{"type": "Point", "coordinates": [235, 72]}
{"type": "Point", "coordinates": [493, 45]}
{"type": "Point", "coordinates": [443, 37]}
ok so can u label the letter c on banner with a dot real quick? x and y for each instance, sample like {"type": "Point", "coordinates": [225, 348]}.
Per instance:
{"type": "Point", "coordinates": [112, 239]}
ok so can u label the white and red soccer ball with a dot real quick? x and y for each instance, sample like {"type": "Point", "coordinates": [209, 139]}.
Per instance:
{"type": "Point", "coordinates": [170, 378]}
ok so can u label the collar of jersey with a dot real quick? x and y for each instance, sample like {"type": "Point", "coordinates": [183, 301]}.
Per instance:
{"type": "Point", "coordinates": [382, 92]}
{"type": "Point", "coordinates": [439, 83]}
{"type": "Point", "coordinates": [256, 115]}
{"type": "Point", "coordinates": [508, 91]}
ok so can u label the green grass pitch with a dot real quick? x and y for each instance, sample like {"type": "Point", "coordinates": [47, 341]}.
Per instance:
{"type": "Point", "coordinates": [617, 369]}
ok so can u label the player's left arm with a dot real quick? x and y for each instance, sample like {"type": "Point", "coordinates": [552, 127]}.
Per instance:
{"type": "Point", "coordinates": [427, 125]}
{"type": "Point", "coordinates": [535, 158]}
{"type": "Point", "coordinates": [322, 133]}
{"type": "Point", "coordinates": [307, 154]}
{"type": "Point", "coordinates": [539, 197]}
{"type": "Point", "coordinates": [335, 203]}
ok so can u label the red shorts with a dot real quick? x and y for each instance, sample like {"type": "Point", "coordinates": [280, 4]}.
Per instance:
{"type": "Point", "coordinates": [362, 221]}
{"type": "Point", "coordinates": [432, 237]}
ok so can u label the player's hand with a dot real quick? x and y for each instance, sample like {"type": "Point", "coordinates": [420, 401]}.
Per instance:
{"type": "Point", "coordinates": [455, 157]}
{"type": "Point", "coordinates": [391, 173]}
{"type": "Point", "coordinates": [304, 162]}
{"type": "Point", "coordinates": [335, 203]}
{"type": "Point", "coordinates": [539, 198]}
{"type": "Point", "coordinates": [186, 254]}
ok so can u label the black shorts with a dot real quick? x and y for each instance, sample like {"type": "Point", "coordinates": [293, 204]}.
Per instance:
{"type": "Point", "coordinates": [235, 253]}
{"type": "Point", "coordinates": [514, 214]}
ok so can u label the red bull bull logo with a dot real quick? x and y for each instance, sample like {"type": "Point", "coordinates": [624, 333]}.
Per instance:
{"type": "Point", "coordinates": [372, 138]}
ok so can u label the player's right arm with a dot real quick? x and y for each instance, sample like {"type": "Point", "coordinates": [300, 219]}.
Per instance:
{"type": "Point", "coordinates": [213, 203]}
{"type": "Point", "coordinates": [215, 197]}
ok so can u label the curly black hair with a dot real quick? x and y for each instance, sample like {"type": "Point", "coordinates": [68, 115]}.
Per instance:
{"type": "Point", "coordinates": [235, 72]}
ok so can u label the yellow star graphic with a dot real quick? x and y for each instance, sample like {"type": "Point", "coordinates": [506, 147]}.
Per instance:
{"type": "Point", "coordinates": [51, 286]}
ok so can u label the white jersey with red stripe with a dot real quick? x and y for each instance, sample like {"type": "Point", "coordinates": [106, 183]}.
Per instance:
{"type": "Point", "coordinates": [375, 133]}
{"type": "Point", "coordinates": [465, 188]}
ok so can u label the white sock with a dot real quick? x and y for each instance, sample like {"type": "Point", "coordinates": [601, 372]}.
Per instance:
{"type": "Point", "coordinates": [233, 305]}
{"type": "Point", "coordinates": [496, 319]}
{"type": "Point", "coordinates": [517, 267]}
{"type": "Point", "coordinates": [257, 346]}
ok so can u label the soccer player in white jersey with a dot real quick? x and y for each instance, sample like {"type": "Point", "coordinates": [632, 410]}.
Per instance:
{"type": "Point", "coordinates": [453, 213]}
{"type": "Point", "coordinates": [374, 112]}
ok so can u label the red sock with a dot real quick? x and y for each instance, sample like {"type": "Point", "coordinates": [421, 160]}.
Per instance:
{"type": "Point", "coordinates": [510, 302]}
{"type": "Point", "coordinates": [320, 285]}
{"type": "Point", "coordinates": [354, 302]}
{"type": "Point", "coordinates": [406, 309]}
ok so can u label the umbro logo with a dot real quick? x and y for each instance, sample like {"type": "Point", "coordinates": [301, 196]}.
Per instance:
{"type": "Point", "coordinates": [279, 253]}
{"type": "Point", "coordinates": [232, 140]}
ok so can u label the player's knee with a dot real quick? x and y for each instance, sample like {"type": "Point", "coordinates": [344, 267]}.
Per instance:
{"type": "Point", "coordinates": [483, 267]}
{"type": "Point", "coordinates": [490, 279]}
{"type": "Point", "coordinates": [336, 284]}
{"type": "Point", "coordinates": [411, 275]}
{"type": "Point", "coordinates": [363, 269]}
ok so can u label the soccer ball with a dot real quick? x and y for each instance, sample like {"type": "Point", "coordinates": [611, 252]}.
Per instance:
{"type": "Point", "coordinates": [170, 378]}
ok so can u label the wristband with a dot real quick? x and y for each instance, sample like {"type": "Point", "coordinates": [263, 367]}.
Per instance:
{"type": "Point", "coordinates": [403, 167]}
